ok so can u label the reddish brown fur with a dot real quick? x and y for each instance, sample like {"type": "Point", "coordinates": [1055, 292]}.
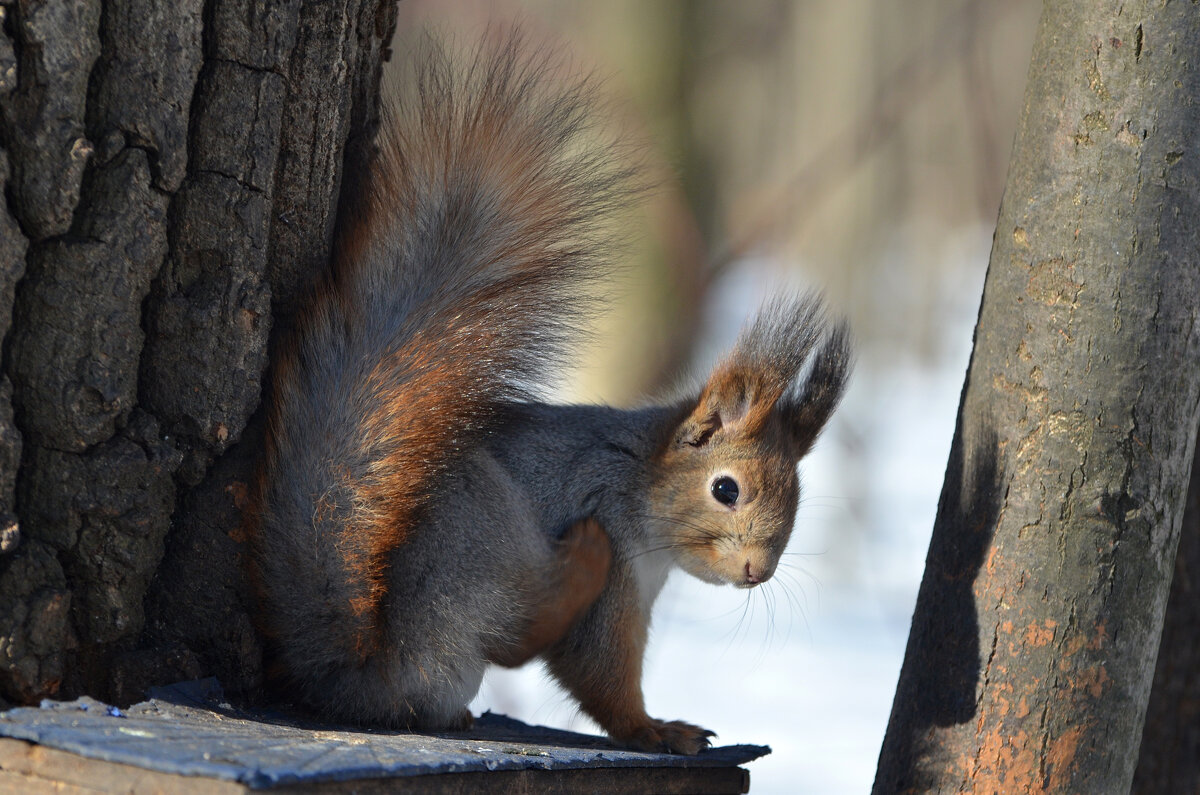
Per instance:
{"type": "Point", "coordinates": [612, 692]}
{"type": "Point", "coordinates": [583, 565]}
{"type": "Point", "coordinates": [608, 686]}
{"type": "Point", "coordinates": [734, 388]}
{"type": "Point", "coordinates": [416, 456]}
{"type": "Point", "coordinates": [495, 149]}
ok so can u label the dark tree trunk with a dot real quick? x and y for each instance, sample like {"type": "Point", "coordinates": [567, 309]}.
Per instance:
{"type": "Point", "coordinates": [172, 173]}
{"type": "Point", "coordinates": [1170, 755]}
{"type": "Point", "coordinates": [1033, 644]}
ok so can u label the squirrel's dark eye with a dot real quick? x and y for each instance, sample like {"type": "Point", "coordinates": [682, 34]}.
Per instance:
{"type": "Point", "coordinates": [724, 490]}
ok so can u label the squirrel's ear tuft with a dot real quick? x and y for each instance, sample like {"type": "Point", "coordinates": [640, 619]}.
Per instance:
{"type": "Point", "coordinates": [806, 411]}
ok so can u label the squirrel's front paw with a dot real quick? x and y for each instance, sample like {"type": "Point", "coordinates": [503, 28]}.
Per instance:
{"type": "Point", "coordinates": [672, 737]}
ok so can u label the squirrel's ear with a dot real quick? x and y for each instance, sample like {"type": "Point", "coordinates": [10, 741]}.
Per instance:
{"type": "Point", "coordinates": [762, 367]}
{"type": "Point", "coordinates": [806, 412]}
{"type": "Point", "coordinates": [734, 400]}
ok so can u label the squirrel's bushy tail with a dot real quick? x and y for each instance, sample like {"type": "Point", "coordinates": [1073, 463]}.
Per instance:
{"type": "Point", "coordinates": [462, 277]}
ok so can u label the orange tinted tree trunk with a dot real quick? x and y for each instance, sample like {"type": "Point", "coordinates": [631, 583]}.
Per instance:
{"type": "Point", "coordinates": [1033, 644]}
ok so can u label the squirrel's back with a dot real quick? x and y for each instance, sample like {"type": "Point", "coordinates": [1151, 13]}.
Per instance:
{"type": "Point", "coordinates": [462, 272]}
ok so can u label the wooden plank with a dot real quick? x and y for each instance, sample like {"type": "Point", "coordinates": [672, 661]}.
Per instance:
{"type": "Point", "coordinates": [601, 781]}
{"type": "Point", "coordinates": [29, 768]}
{"type": "Point", "coordinates": [196, 736]}
{"type": "Point", "coordinates": [21, 784]}
{"type": "Point", "coordinates": [187, 740]}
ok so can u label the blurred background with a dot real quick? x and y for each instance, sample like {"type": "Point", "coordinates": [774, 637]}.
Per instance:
{"type": "Point", "coordinates": [858, 146]}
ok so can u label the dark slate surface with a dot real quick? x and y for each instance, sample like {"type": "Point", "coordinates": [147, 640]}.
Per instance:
{"type": "Point", "coordinates": [189, 729]}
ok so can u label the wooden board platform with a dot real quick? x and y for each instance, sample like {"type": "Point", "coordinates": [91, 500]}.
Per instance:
{"type": "Point", "coordinates": [187, 740]}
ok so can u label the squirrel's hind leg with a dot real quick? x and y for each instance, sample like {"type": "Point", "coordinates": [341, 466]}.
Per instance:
{"type": "Point", "coordinates": [581, 566]}
{"type": "Point", "coordinates": [423, 692]}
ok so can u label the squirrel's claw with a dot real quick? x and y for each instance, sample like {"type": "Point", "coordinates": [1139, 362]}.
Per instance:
{"type": "Point", "coordinates": [670, 737]}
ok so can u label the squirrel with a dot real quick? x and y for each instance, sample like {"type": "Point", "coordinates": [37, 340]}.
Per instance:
{"type": "Point", "coordinates": [421, 511]}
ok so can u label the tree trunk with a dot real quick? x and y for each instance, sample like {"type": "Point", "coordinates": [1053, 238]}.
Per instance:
{"type": "Point", "coordinates": [172, 171]}
{"type": "Point", "coordinates": [1033, 643]}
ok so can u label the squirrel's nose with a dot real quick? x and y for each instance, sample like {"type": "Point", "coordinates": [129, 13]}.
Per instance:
{"type": "Point", "coordinates": [753, 576]}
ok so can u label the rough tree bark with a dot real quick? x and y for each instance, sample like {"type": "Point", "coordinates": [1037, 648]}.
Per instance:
{"type": "Point", "coordinates": [1033, 644]}
{"type": "Point", "coordinates": [172, 173]}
